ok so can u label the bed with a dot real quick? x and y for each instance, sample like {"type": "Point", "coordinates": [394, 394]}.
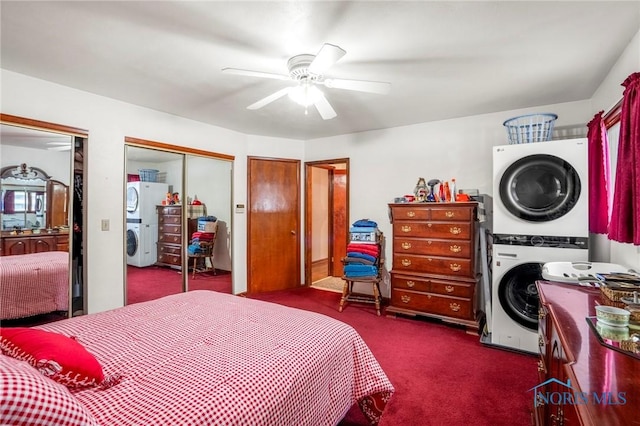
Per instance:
{"type": "Point", "coordinates": [207, 358]}
{"type": "Point", "coordinates": [33, 284]}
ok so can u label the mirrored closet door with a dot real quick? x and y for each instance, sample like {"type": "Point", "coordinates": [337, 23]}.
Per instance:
{"type": "Point", "coordinates": [178, 214]}
{"type": "Point", "coordinates": [41, 221]}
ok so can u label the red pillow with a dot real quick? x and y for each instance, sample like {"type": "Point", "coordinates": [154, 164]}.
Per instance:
{"type": "Point", "coordinates": [58, 357]}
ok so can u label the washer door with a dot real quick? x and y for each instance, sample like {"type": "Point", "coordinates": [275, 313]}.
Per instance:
{"type": "Point", "coordinates": [518, 294]}
{"type": "Point", "coordinates": [132, 199]}
{"type": "Point", "coordinates": [540, 188]}
{"type": "Point", "coordinates": [132, 242]}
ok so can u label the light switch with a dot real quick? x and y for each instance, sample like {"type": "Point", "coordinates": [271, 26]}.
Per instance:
{"type": "Point", "coordinates": [104, 225]}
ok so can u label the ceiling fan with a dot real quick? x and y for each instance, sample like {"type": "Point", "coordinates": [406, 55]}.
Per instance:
{"type": "Point", "coordinates": [307, 71]}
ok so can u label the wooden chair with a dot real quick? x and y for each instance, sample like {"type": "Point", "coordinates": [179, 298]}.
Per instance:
{"type": "Point", "coordinates": [348, 294]}
{"type": "Point", "coordinates": [201, 258]}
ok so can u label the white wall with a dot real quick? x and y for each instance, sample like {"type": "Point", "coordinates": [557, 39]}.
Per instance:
{"type": "Point", "coordinates": [385, 164]}
{"type": "Point", "coordinates": [108, 122]}
{"type": "Point", "coordinates": [606, 96]}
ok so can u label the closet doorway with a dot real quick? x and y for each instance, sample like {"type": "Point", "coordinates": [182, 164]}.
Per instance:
{"type": "Point", "coordinates": [177, 203]}
{"type": "Point", "coordinates": [326, 218]}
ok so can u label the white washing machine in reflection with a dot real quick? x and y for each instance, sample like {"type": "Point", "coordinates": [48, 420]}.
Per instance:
{"type": "Point", "coordinates": [541, 188]}
{"type": "Point", "coordinates": [517, 265]}
{"type": "Point", "coordinates": [141, 243]}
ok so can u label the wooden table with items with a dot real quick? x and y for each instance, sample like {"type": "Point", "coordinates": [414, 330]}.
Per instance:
{"type": "Point", "coordinates": [434, 253]}
{"type": "Point", "coordinates": [584, 379]}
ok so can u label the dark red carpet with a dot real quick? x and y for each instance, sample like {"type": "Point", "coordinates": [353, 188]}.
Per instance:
{"type": "Point", "coordinates": [154, 282]}
{"type": "Point", "coordinates": [442, 375]}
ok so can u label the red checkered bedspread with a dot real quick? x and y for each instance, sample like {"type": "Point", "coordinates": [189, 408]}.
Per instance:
{"type": "Point", "coordinates": [207, 358]}
{"type": "Point", "coordinates": [32, 284]}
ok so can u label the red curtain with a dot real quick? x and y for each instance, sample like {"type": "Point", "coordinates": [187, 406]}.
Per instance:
{"type": "Point", "coordinates": [625, 215]}
{"type": "Point", "coordinates": [598, 175]}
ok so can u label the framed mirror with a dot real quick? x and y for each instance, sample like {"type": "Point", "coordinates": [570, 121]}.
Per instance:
{"type": "Point", "coordinates": [171, 192]}
{"type": "Point", "coordinates": [41, 217]}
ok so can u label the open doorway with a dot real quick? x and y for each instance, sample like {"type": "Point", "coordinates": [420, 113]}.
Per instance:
{"type": "Point", "coordinates": [326, 221]}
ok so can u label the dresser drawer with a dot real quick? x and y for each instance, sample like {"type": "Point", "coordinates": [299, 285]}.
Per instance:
{"type": "Point", "coordinates": [455, 307]}
{"type": "Point", "coordinates": [169, 228]}
{"type": "Point", "coordinates": [452, 213]}
{"type": "Point", "coordinates": [168, 258]}
{"type": "Point", "coordinates": [447, 230]}
{"type": "Point", "coordinates": [410, 283]}
{"type": "Point", "coordinates": [173, 249]}
{"type": "Point", "coordinates": [170, 210]}
{"type": "Point", "coordinates": [170, 219]}
{"type": "Point", "coordinates": [418, 212]}
{"type": "Point", "coordinates": [170, 238]}
{"type": "Point", "coordinates": [448, 248]}
{"type": "Point", "coordinates": [452, 288]}
{"type": "Point", "coordinates": [432, 265]}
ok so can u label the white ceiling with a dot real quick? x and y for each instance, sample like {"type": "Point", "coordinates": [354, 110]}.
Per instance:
{"type": "Point", "coordinates": [443, 59]}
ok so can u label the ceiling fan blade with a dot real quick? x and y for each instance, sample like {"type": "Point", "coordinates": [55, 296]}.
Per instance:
{"type": "Point", "coordinates": [326, 57]}
{"type": "Point", "coordinates": [274, 96]}
{"type": "Point", "coordinates": [324, 108]}
{"type": "Point", "coordinates": [379, 87]}
{"type": "Point", "coordinates": [255, 73]}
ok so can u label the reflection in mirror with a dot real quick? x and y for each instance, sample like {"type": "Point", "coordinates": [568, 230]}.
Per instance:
{"type": "Point", "coordinates": [208, 213]}
{"type": "Point", "coordinates": [35, 211]}
{"type": "Point", "coordinates": [179, 230]}
{"type": "Point", "coordinates": [154, 224]}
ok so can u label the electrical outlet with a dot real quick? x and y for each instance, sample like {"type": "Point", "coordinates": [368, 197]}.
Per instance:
{"type": "Point", "coordinates": [104, 225]}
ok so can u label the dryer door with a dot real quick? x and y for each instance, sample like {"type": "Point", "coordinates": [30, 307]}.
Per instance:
{"type": "Point", "coordinates": [132, 243]}
{"type": "Point", "coordinates": [518, 294]}
{"type": "Point", "coordinates": [540, 188]}
{"type": "Point", "coordinates": [132, 199]}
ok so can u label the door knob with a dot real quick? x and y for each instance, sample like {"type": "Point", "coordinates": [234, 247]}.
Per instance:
{"type": "Point", "coordinates": [293, 232]}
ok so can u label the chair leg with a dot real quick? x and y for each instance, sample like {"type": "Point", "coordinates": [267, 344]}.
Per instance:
{"type": "Point", "coordinates": [376, 295]}
{"type": "Point", "coordinates": [195, 263]}
{"type": "Point", "coordinates": [345, 292]}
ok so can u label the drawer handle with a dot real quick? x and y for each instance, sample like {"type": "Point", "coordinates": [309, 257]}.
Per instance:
{"type": "Point", "coordinates": [410, 283]}
{"type": "Point", "coordinates": [449, 288]}
{"type": "Point", "coordinates": [455, 307]}
{"type": "Point", "coordinates": [455, 230]}
{"type": "Point", "coordinates": [406, 262]}
{"type": "Point", "coordinates": [176, 239]}
{"type": "Point", "coordinates": [456, 249]}
{"type": "Point", "coordinates": [429, 242]}
{"type": "Point", "coordinates": [406, 245]}
{"type": "Point", "coordinates": [455, 267]}
{"type": "Point", "coordinates": [411, 213]}
{"type": "Point", "coordinates": [429, 225]}
{"type": "Point", "coordinates": [405, 228]}
{"type": "Point", "coordinates": [449, 214]}
{"type": "Point", "coordinates": [405, 298]}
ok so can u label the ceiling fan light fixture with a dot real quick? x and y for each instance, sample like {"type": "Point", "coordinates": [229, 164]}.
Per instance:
{"type": "Point", "coordinates": [305, 94]}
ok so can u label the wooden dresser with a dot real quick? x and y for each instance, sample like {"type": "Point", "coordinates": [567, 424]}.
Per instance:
{"type": "Point", "coordinates": [34, 243]}
{"type": "Point", "coordinates": [170, 236]}
{"type": "Point", "coordinates": [604, 382]}
{"type": "Point", "coordinates": [434, 252]}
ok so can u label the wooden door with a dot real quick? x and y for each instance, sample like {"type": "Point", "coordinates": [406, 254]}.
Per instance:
{"type": "Point", "coordinates": [339, 221]}
{"type": "Point", "coordinates": [57, 204]}
{"type": "Point", "coordinates": [273, 246]}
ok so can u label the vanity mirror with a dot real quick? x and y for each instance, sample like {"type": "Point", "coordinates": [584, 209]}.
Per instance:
{"type": "Point", "coordinates": [41, 241]}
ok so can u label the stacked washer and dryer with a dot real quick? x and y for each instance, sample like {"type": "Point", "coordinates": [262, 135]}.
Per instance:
{"type": "Point", "coordinates": [142, 221]}
{"type": "Point", "coordinates": [540, 193]}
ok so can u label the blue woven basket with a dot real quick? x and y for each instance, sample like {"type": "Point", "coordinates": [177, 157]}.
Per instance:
{"type": "Point", "coordinates": [530, 128]}
{"type": "Point", "coordinates": [148, 175]}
